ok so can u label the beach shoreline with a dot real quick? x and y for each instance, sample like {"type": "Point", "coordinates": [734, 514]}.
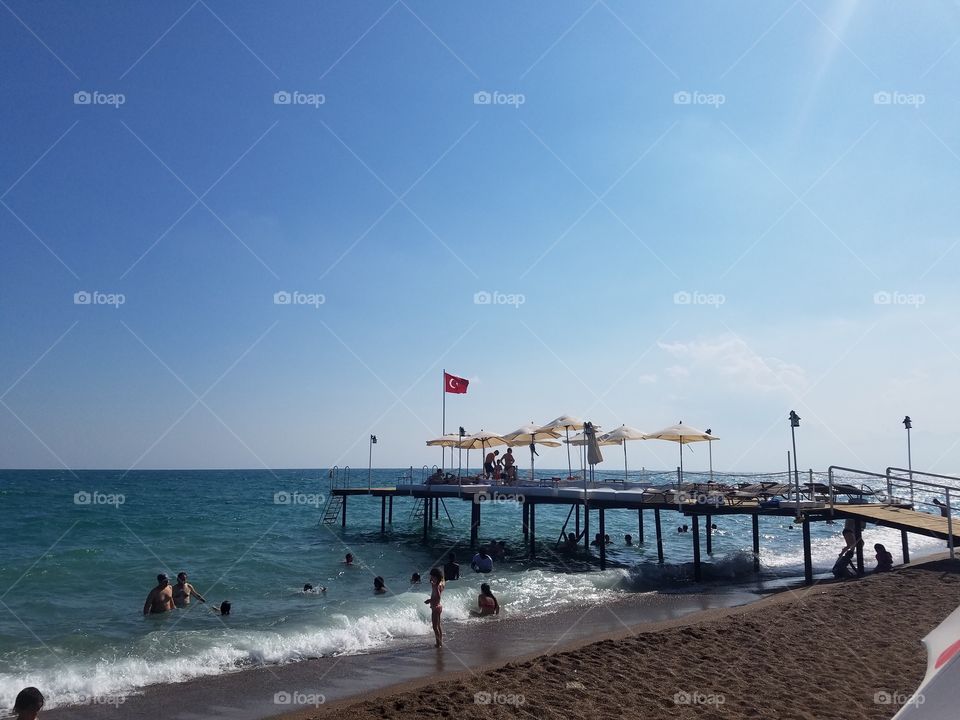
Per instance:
{"type": "Point", "coordinates": [805, 652]}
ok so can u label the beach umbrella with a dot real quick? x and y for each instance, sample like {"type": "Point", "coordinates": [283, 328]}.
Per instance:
{"type": "Point", "coordinates": [682, 435]}
{"type": "Point", "coordinates": [938, 696]}
{"type": "Point", "coordinates": [449, 440]}
{"type": "Point", "coordinates": [565, 423]}
{"type": "Point", "coordinates": [481, 441]}
{"type": "Point", "coordinates": [532, 436]}
{"type": "Point", "coordinates": [621, 436]}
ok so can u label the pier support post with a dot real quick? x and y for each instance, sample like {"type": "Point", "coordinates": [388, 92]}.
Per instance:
{"type": "Point", "coordinates": [526, 521]}
{"type": "Point", "coordinates": [383, 514]}
{"type": "Point", "coordinates": [474, 521]}
{"type": "Point", "coordinates": [709, 529]}
{"type": "Point", "coordinates": [656, 521]}
{"type": "Point", "coordinates": [603, 544]}
{"type": "Point", "coordinates": [533, 530]}
{"type": "Point", "coordinates": [343, 513]}
{"type": "Point", "coordinates": [696, 548]}
{"type": "Point", "coordinates": [755, 519]}
{"type": "Point", "coordinates": [807, 559]}
{"type": "Point", "coordinates": [430, 504]}
{"type": "Point", "coordinates": [390, 511]}
{"type": "Point", "coordinates": [640, 526]}
{"type": "Point", "coordinates": [436, 509]}
{"type": "Point", "coordinates": [858, 537]}
{"type": "Point", "coordinates": [576, 509]}
{"type": "Point", "coordinates": [905, 544]}
{"type": "Point", "coordinates": [426, 518]}
{"type": "Point", "coordinates": [586, 527]}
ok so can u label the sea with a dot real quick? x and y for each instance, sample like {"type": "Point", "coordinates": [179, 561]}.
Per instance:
{"type": "Point", "coordinates": [82, 549]}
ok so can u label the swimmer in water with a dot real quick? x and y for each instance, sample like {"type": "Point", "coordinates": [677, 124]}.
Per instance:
{"type": "Point", "coordinates": [379, 587]}
{"type": "Point", "coordinates": [28, 704]}
{"type": "Point", "coordinates": [487, 603]}
{"type": "Point", "coordinates": [183, 590]}
{"type": "Point", "coordinates": [160, 599]}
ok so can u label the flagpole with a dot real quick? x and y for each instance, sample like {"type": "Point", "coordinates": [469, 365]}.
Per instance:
{"type": "Point", "coordinates": [443, 422]}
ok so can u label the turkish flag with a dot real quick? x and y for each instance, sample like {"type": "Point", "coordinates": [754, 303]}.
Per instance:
{"type": "Point", "coordinates": [454, 384]}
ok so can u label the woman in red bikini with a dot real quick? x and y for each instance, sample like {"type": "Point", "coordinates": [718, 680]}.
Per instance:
{"type": "Point", "coordinates": [437, 585]}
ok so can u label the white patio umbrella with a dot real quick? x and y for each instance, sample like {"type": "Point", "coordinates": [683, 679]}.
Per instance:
{"type": "Point", "coordinates": [565, 423]}
{"type": "Point", "coordinates": [449, 440]}
{"type": "Point", "coordinates": [532, 436]}
{"type": "Point", "coordinates": [620, 436]}
{"type": "Point", "coordinates": [682, 435]}
{"type": "Point", "coordinates": [481, 441]}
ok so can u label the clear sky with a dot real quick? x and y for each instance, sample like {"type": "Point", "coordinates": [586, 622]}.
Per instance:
{"type": "Point", "coordinates": [708, 212]}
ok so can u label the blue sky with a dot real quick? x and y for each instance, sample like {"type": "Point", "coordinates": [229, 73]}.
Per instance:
{"type": "Point", "coordinates": [712, 213]}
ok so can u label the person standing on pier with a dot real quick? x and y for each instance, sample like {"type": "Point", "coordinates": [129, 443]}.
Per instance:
{"type": "Point", "coordinates": [488, 464]}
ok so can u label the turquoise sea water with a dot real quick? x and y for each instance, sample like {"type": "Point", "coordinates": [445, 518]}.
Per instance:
{"type": "Point", "coordinates": [82, 549]}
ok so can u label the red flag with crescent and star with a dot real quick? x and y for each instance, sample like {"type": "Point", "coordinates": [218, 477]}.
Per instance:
{"type": "Point", "coordinates": [454, 384]}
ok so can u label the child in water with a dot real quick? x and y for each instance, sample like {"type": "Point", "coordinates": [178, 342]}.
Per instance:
{"type": "Point", "coordinates": [487, 603]}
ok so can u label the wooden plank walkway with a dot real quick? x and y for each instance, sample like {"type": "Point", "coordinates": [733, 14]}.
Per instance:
{"type": "Point", "coordinates": [902, 518]}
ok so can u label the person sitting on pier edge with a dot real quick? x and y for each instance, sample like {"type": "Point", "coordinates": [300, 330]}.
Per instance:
{"type": "Point", "coordinates": [944, 512]}
{"type": "Point", "coordinates": [451, 570]}
{"type": "Point", "coordinates": [436, 478]}
{"type": "Point", "coordinates": [488, 466]}
{"type": "Point", "coordinates": [482, 562]}
{"type": "Point", "coordinates": [884, 559]}
{"type": "Point", "coordinates": [628, 540]}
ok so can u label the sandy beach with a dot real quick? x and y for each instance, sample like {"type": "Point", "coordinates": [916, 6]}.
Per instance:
{"type": "Point", "coordinates": [847, 650]}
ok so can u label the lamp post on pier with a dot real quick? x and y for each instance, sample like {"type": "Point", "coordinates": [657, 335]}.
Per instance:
{"type": "Point", "coordinates": [908, 424]}
{"type": "Point", "coordinates": [795, 423]}
{"type": "Point", "coordinates": [373, 441]}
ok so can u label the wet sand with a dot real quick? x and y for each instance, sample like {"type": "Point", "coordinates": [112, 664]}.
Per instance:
{"type": "Point", "coordinates": [849, 651]}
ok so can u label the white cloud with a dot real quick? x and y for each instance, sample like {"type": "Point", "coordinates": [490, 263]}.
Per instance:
{"type": "Point", "coordinates": [731, 358]}
{"type": "Point", "coordinates": [647, 379]}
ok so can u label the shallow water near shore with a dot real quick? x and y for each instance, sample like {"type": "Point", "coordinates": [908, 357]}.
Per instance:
{"type": "Point", "coordinates": [83, 550]}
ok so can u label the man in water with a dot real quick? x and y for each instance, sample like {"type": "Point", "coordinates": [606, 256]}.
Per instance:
{"type": "Point", "coordinates": [183, 590]}
{"type": "Point", "coordinates": [451, 570]}
{"type": "Point", "coordinates": [482, 562]}
{"type": "Point", "coordinates": [160, 599]}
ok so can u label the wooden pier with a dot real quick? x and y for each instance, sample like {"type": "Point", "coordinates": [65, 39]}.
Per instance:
{"type": "Point", "coordinates": [698, 502]}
